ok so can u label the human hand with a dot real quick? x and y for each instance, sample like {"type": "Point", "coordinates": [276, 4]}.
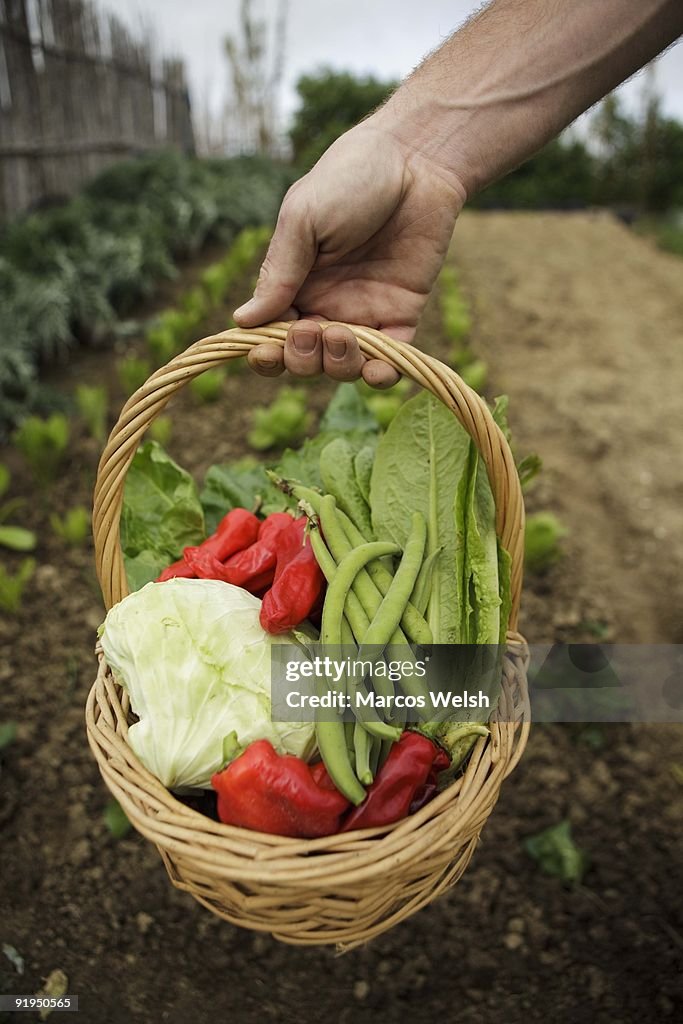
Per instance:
{"type": "Point", "coordinates": [360, 238]}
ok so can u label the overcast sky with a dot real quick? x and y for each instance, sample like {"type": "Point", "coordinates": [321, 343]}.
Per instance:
{"type": "Point", "coordinates": [384, 37]}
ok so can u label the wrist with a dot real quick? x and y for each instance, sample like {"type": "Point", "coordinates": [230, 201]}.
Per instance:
{"type": "Point", "coordinates": [430, 130]}
{"type": "Point", "coordinates": [426, 141]}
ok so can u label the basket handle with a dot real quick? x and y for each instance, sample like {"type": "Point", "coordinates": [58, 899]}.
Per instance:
{"type": "Point", "coordinates": [148, 401]}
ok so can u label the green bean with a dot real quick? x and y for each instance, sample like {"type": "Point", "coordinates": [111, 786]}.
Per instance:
{"type": "Point", "coordinates": [330, 735]}
{"type": "Point", "coordinates": [413, 623]}
{"type": "Point", "coordinates": [335, 537]}
{"type": "Point", "coordinates": [357, 622]}
{"type": "Point", "coordinates": [363, 587]}
{"type": "Point", "coordinates": [389, 615]}
{"type": "Point", "coordinates": [347, 570]}
{"type": "Point", "coordinates": [384, 752]}
{"type": "Point", "coordinates": [362, 743]}
{"type": "Point", "coordinates": [421, 591]}
{"type": "Point", "coordinates": [375, 753]}
{"type": "Point", "coordinates": [349, 729]}
{"type": "Point", "coordinates": [331, 739]}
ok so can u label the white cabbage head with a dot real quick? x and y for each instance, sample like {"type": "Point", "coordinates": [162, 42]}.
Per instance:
{"type": "Point", "coordinates": [196, 663]}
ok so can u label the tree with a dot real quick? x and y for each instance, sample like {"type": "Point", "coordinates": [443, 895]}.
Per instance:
{"type": "Point", "coordinates": [256, 74]}
{"type": "Point", "coordinates": [331, 103]}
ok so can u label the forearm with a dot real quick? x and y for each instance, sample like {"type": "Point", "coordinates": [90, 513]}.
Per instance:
{"type": "Point", "coordinates": [517, 74]}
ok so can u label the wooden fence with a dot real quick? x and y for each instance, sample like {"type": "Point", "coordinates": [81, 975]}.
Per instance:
{"type": "Point", "coordinates": [76, 94]}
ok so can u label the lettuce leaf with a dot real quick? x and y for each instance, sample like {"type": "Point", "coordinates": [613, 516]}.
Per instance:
{"type": "Point", "coordinates": [161, 514]}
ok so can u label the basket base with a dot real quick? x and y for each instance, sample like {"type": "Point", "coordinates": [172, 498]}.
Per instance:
{"type": "Point", "coordinates": [313, 918]}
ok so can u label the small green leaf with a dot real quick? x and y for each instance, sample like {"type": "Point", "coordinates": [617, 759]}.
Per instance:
{"type": "Point", "coordinates": [557, 854]}
{"type": "Point", "coordinates": [14, 957]}
{"type": "Point", "coordinates": [528, 469]}
{"type": "Point", "coordinates": [115, 819]}
{"type": "Point", "coordinates": [17, 538]}
{"type": "Point", "coordinates": [8, 733]}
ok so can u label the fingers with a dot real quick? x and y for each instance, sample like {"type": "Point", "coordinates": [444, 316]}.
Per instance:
{"type": "Point", "coordinates": [342, 357]}
{"type": "Point", "coordinates": [267, 359]}
{"type": "Point", "coordinates": [380, 375]}
{"type": "Point", "coordinates": [290, 256]}
{"type": "Point", "coordinates": [310, 350]}
{"type": "Point", "coordinates": [303, 355]}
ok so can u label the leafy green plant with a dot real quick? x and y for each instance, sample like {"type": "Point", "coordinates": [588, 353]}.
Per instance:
{"type": "Point", "coordinates": [557, 854]}
{"type": "Point", "coordinates": [92, 403]}
{"type": "Point", "coordinates": [43, 443]}
{"type": "Point", "coordinates": [474, 374]}
{"type": "Point", "coordinates": [161, 430]}
{"type": "Point", "coordinates": [132, 373]}
{"type": "Point", "coordinates": [285, 420]}
{"type": "Point", "coordinates": [8, 733]}
{"type": "Point", "coordinates": [528, 469]}
{"type": "Point", "coordinates": [73, 527]}
{"type": "Point", "coordinates": [207, 386]}
{"type": "Point", "coordinates": [14, 537]}
{"type": "Point", "coordinates": [12, 585]}
{"type": "Point", "coordinates": [542, 541]}
{"type": "Point", "coordinates": [455, 314]}
{"type": "Point", "coordinates": [115, 819]}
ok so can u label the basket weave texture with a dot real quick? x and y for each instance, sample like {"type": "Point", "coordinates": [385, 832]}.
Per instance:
{"type": "Point", "coordinates": [342, 889]}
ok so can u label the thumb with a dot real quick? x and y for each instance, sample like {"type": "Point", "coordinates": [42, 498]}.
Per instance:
{"type": "Point", "coordinates": [291, 254]}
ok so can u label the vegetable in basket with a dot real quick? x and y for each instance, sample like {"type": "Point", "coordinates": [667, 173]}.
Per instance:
{"type": "Point", "coordinates": [196, 664]}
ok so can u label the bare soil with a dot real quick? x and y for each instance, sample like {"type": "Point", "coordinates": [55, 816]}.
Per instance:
{"type": "Point", "coordinates": [581, 324]}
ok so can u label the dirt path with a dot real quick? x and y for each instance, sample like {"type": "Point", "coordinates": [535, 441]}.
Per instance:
{"type": "Point", "coordinates": [581, 322]}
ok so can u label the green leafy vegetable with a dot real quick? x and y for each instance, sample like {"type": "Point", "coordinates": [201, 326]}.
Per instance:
{"type": "Point", "coordinates": [92, 403]}
{"type": "Point", "coordinates": [196, 663]}
{"type": "Point", "coordinates": [8, 733]}
{"type": "Point", "coordinates": [161, 514]}
{"type": "Point", "coordinates": [557, 853]}
{"type": "Point", "coordinates": [542, 537]}
{"type": "Point", "coordinates": [12, 585]}
{"type": "Point", "coordinates": [43, 443]}
{"type": "Point", "coordinates": [132, 373]}
{"type": "Point", "coordinates": [475, 374]}
{"type": "Point", "coordinates": [283, 421]}
{"type": "Point", "coordinates": [74, 526]}
{"type": "Point", "coordinates": [347, 412]}
{"type": "Point", "coordinates": [418, 464]}
{"type": "Point", "coordinates": [115, 819]}
{"type": "Point", "coordinates": [528, 469]}
{"type": "Point", "coordinates": [207, 386]}
{"type": "Point", "coordinates": [17, 538]}
{"type": "Point", "coordinates": [161, 430]}
{"type": "Point", "coordinates": [240, 484]}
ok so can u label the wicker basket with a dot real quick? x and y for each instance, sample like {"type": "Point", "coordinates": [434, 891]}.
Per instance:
{"type": "Point", "coordinates": [341, 889]}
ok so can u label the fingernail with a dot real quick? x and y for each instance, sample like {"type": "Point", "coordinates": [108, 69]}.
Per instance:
{"type": "Point", "coordinates": [304, 342]}
{"type": "Point", "coordinates": [267, 364]}
{"type": "Point", "coordinates": [336, 348]}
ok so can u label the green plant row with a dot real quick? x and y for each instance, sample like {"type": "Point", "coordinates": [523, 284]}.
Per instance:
{"type": "Point", "coordinates": [457, 325]}
{"type": "Point", "coordinates": [67, 273]}
{"type": "Point", "coordinates": [176, 328]}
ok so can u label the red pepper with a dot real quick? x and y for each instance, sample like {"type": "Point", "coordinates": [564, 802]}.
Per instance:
{"type": "Point", "coordinates": [282, 795]}
{"type": "Point", "coordinates": [298, 581]}
{"type": "Point", "coordinates": [179, 569]}
{"type": "Point", "coordinates": [236, 531]}
{"type": "Point", "coordinates": [259, 559]}
{"type": "Point", "coordinates": [404, 773]}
